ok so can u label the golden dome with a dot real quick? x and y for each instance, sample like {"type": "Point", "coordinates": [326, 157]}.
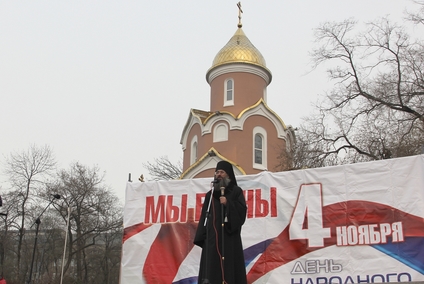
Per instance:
{"type": "Point", "coordinates": [239, 49]}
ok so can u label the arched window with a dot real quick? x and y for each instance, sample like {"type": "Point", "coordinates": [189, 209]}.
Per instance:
{"type": "Point", "coordinates": [193, 150]}
{"type": "Point", "coordinates": [220, 133]}
{"type": "Point", "coordinates": [229, 92]}
{"type": "Point", "coordinates": [259, 148]}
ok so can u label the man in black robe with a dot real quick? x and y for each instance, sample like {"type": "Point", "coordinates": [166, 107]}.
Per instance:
{"type": "Point", "coordinates": [222, 259]}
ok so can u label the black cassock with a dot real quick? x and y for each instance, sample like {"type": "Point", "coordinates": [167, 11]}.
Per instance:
{"type": "Point", "coordinates": [233, 264]}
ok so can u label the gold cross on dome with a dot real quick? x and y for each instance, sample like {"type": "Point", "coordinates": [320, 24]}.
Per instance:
{"type": "Point", "coordinates": [239, 14]}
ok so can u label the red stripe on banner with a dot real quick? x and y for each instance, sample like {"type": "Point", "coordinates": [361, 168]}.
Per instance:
{"type": "Point", "coordinates": [283, 250]}
{"type": "Point", "coordinates": [133, 230]}
{"type": "Point", "coordinates": [169, 249]}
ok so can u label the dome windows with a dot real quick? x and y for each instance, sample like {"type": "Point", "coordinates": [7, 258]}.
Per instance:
{"type": "Point", "coordinates": [259, 148]}
{"type": "Point", "coordinates": [229, 92]}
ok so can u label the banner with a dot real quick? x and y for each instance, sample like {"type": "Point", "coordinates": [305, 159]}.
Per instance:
{"type": "Point", "coordinates": [345, 224]}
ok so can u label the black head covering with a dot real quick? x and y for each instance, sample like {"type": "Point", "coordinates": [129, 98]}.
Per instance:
{"type": "Point", "coordinates": [228, 168]}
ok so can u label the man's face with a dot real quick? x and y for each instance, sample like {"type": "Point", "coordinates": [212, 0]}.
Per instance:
{"type": "Point", "coordinates": [223, 178]}
{"type": "Point", "coordinates": [220, 174]}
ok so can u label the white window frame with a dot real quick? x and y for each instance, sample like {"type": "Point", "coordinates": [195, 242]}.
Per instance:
{"type": "Point", "coordinates": [228, 102]}
{"type": "Point", "coordinates": [193, 150]}
{"type": "Point", "coordinates": [262, 133]}
{"type": "Point", "coordinates": [220, 132]}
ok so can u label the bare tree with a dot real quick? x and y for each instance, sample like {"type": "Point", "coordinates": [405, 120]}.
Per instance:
{"type": "Point", "coordinates": [106, 260]}
{"type": "Point", "coordinates": [48, 252]}
{"type": "Point", "coordinates": [95, 212]}
{"type": "Point", "coordinates": [27, 172]}
{"type": "Point", "coordinates": [163, 169]}
{"type": "Point", "coordinates": [417, 17]}
{"type": "Point", "coordinates": [95, 231]}
{"type": "Point", "coordinates": [376, 109]}
{"type": "Point", "coordinates": [5, 238]}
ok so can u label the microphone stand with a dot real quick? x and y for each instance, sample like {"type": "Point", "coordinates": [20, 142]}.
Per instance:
{"type": "Point", "coordinates": [222, 233]}
{"type": "Point", "coordinates": [205, 224]}
{"type": "Point", "coordinates": [38, 221]}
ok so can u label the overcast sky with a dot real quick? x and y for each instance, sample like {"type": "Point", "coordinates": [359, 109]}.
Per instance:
{"type": "Point", "coordinates": [111, 83]}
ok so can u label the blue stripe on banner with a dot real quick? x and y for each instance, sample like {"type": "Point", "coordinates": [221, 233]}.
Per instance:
{"type": "Point", "coordinates": [409, 252]}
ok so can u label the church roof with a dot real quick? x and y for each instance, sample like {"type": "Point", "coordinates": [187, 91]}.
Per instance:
{"type": "Point", "coordinates": [203, 115]}
{"type": "Point", "coordinates": [239, 49]}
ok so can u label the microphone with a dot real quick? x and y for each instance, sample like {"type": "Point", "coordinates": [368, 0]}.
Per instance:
{"type": "Point", "coordinates": [57, 196]}
{"type": "Point", "coordinates": [224, 214]}
{"type": "Point", "coordinates": [215, 181]}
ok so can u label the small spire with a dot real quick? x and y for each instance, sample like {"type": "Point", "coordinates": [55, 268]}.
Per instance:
{"type": "Point", "coordinates": [239, 14]}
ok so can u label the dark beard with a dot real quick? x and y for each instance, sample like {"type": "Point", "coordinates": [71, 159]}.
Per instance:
{"type": "Point", "coordinates": [222, 183]}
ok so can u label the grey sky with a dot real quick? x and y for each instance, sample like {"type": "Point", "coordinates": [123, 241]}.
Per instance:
{"type": "Point", "coordinates": [111, 83]}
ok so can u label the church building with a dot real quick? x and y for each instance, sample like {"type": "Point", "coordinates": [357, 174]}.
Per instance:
{"type": "Point", "coordinates": [239, 127]}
